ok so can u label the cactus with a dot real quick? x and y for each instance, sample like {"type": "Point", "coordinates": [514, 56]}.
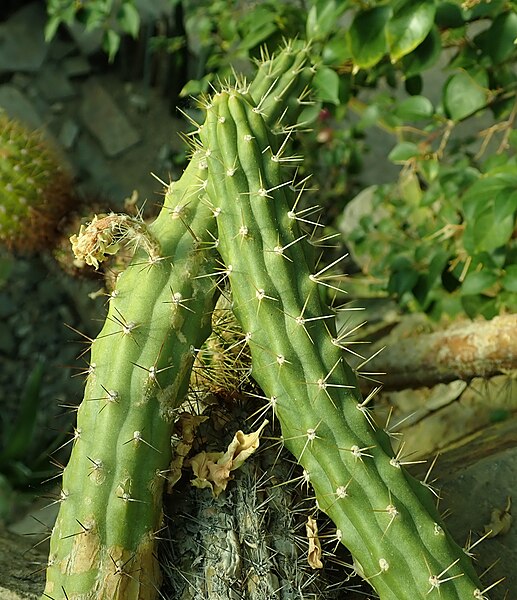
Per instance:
{"type": "Point", "coordinates": [36, 191]}
{"type": "Point", "coordinates": [222, 364]}
{"type": "Point", "coordinates": [103, 542]}
{"type": "Point", "coordinates": [249, 542]}
{"type": "Point", "coordinates": [103, 545]}
{"type": "Point", "coordinates": [386, 518]}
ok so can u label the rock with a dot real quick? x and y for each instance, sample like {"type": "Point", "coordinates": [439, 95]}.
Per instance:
{"type": "Point", "coordinates": [101, 181]}
{"type": "Point", "coordinates": [21, 576]}
{"type": "Point", "coordinates": [105, 121]}
{"type": "Point", "coordinates": [476, 479]}
{"type": "Point", "coordinates": [21, 80]}
{"type": "Point", "coordinates": [150, 10]}
{"type": "Point", "coordinates": [68, 133]}
{"type": "Point", "coordinates": [53, 83]}
{"type": "Point", "coordinates": [59, 49]}
{"type": "Point", "coordinates": [18, 106]}
{"type": "Point", "coordinates": [22, 41]}
{"type": "Point", "coordinates": [88, 42]}
{"type": "Point", "coordinates": [76, 66]}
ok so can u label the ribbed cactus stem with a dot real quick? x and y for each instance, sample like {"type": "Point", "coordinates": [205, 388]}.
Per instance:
{"type": "Point", "coordinates": [103, 545]}
{"type": "Point", "coordinates": [386, 518]}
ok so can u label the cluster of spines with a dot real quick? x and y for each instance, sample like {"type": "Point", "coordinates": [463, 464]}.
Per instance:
{"type": "Point", "coordinates": [36, 190]}
{"type": "Point", "coordinates": [223, 363]}
{"type": "Point", "coordinates": [103, 543]}
{"type": "Point", "coordinates": [387, 519]}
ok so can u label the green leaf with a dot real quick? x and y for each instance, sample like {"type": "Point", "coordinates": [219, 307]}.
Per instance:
{"type": "Point", "coordinates": [258, 26]}
{"type": "Point", "coordinates": [505, 204]}
{"type": "Point", "coordinates": [370, 116]}
{"type": "Point", "coordinates": [403, 277]}
{"type": "Point", "coordinates": [509, 280]}
{"type": "Point", "coordinates": [403, 151]}
{"type": "Point", "coordinates": [427, 281]}
{"type": "Point", "coordinates": [312, 19]}
{"type": "Point", "coordinates": [409, 26]}
{"type": "Point", "coordinates": [487, 212]}
{"type": "Point", "coordinates": [424, 56]}
{"type": "Point", "coordinates": [310, 113]}
{"type": "Point", "coordinates": [367, 36]}
{"type": "Point", "coordinates": [414, 108]}
{"type": "Point", "coordinates": [499, 41]}
{"type": "Point", "coordinates": [478, 282]}
{"type": "Point", "coordinates": [463, 96]}
{"type": "Point", "coordinates": [449, 15]}
{"type": "Point", "coordinates": [111, 44]}
{"type": "Point", "coordinates": [335, 52]}
{"type": "Point", "coordinates": [326, 83]}
{"type": "Point", "coordinates": [477, 304]}
{"type": "Point", "coordinates": [483, 10]}
{"type": "Point", "coordinates": [486, 187]}
{"type": "Point", "coordinates": [129, 19]}
{"type": "Point", "coordinates": [414, 85]}
{"type": "Point", "coordinates": [486, 233]}
{"type": "Point", "coordinates": [95, 17]}
{"type": "Point", "coordinates": [194, 87]}
{"type": "Point", "coordinates": [257, 36]}
{"type": "Point", "coordinates": [430, 168]}
{"type": "Point", "coordinates": [321, 21]}
{"type": "Point", "coordinates": [51, 28]}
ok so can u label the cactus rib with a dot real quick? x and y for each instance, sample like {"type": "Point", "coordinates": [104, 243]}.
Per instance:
{"type": "Point", "coordinates": [385, 517]}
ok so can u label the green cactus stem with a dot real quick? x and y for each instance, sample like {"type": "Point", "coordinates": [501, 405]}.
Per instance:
{"type": "Point", "coordinates": [36, 190]}
{"type": "Point", "coordinates": [386, 518]}
{"type": "Point", "coordinates": [103, 545]}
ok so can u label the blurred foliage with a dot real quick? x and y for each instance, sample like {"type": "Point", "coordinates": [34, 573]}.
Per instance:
{"type": "Point", "coordinates": [441, 237]}
{"type": "Point", "coordinates": [112, 17]}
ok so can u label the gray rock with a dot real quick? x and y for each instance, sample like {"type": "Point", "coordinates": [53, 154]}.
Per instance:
{"type": "Point", "coordinates": [150, 10]}
{"type": "Point", "coordinates": [22, 42]}
{"type": "Point", "coordinates": [68, 133]}
{"type": "Point", "coordinates": [88, 42]}
{"type": "Point", "coordinates": [105, 121]}
{"type": "Point", "coordinates": [59, 49]}
{"type": "Point", "coordinates": [475, 479]}
{"type": "Point", "coordinates": [21, 80]}
{"type": "Point", "coordinates": [7, 340]}
{"type": "Point", "coordinates": [53, 83]}
{"type": "Point", "coordinates": [101, 181]}
{"type": "Point", "coordinates": [18, 106]}
{"type": "Point", "coordinates": [21, 575]}
{"type": "Point", "coordinates": [76, 66]}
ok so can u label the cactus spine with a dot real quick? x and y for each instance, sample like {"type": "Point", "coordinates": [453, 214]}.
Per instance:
{"type": "Point", "coordinates": [103, 544]}
{"type": "Point", "coordinates": [386, 519]}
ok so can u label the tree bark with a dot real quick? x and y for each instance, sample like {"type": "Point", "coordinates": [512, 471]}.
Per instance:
{"type": "Point", "coordinates": [466, 350]}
